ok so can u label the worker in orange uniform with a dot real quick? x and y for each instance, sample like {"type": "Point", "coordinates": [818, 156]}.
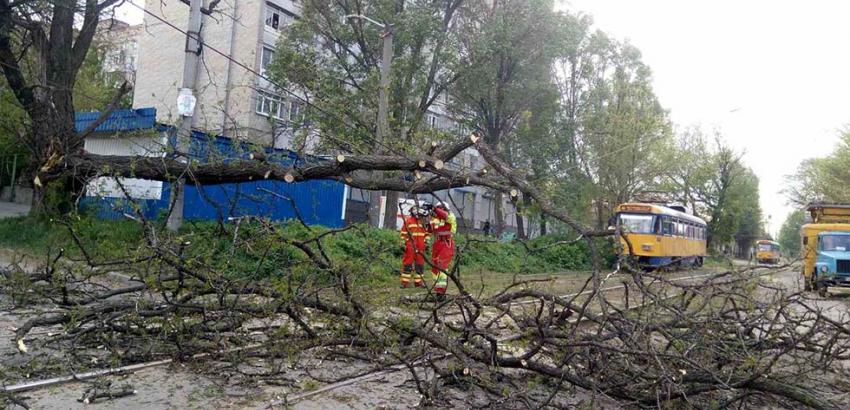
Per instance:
{"type": "Point", "coordinates": [444, 227]}
{"type": "Point", "coordinates": [414, 230]}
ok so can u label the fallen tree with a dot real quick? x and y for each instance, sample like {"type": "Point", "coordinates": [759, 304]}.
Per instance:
{"type": "Point", "coordinates": [725, 339]}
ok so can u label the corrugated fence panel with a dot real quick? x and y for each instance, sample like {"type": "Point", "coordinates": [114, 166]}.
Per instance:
{"type": "Point", "coordinates": [116, 208]}
{"type": "Point", "coordinates": [319, 202]}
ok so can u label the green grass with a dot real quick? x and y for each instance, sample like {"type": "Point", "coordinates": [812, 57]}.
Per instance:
{"type": "Point", "coordinates": [372, 255]}
{"type": "Point", "coordinates": [36, 236]}
{"type": "Point", "coordinates": [25, 233]}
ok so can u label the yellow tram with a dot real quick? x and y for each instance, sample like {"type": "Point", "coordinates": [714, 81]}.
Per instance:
{"type": "Point", "coordinates": [661, 236]}
{"type": "Point", "coordinates": [767, 251]}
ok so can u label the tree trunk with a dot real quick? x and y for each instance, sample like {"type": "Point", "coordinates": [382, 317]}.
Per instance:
{"type": "Point", "coordinates": [543, 230]}
{"type": "Point", "coordinates": [600, 210]}
{"type": "Point", "coordinates": [498, 214]}
{"type": "Point", "coordinates": [374, 209]}
{"type": "Point", "coordinates": [520, 225]}
{"type": "Point", "coordinates": [520, 222]}
{"type": "Point", "coordinates": [37, 206]}
{"type": "Point", "coordinates": [526, 205]}
{"type": "Point", "coordinates": [56, 134]}
{"type": "Point", "coordinates": [391, 210]}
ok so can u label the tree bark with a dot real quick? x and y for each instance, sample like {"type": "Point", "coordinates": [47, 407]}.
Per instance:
{"type": "Point", "coordinates": [37, 206]}
{"type": "Point", "coordinates": [600, 210]}
{"type": "Point", "coordinates": [374, 208]}
{"type": "Point", "coordinates": [391, 210]}
{"type": "Point", "coordinates": [520, 222]}
{"type": "Point", "coordinates": [526, 205]}
{"type": "Point", "coordinates": [498, 214]}
{"type": "Point", "coordinates": [543, 227]}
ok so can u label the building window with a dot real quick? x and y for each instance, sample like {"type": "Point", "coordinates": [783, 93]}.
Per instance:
{"type": "Point", "coordinates": [266, 58]}
{"type": "Point", "coordinates": [277, 18]}
{"type": "Point", "coordinates": [431, 120]}
{"type": "Point", "coordinates": [296, 111]}
{"type": "Point", "coordinates": [279, 108]}
{"type": "Point", "coordinates": [269, 104]}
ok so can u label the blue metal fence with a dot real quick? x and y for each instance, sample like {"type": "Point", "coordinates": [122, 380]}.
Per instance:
{"type": "Point", "coordinates": [318, 202]}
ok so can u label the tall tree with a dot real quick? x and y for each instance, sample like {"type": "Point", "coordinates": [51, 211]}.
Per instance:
{"type": "Point", "coordinates": [333, 62]}
{"type": "Point", "coordinates": [689, 168]}
{"type": "Point", "coordinates": [43, 45]}
{"type": "Point", "coordinates": [625, 133]}
{"type": "Point", "coordinates": [507, 49]}
{"type": "Point", "coordinates": [789, 234]}
{"type": "Point", "coordinates": [823, 179]}
{"type": "Point", "coordinates": [746, 212]}
{"type": "Point", "coordinates": [720, 188]}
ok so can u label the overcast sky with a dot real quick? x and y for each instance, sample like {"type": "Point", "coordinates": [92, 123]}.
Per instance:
{"type": "Point", "coordinates": [772, 76]}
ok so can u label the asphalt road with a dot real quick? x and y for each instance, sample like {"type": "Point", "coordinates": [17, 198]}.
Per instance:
{"type": "Point", "coordinates": [836, 306]}
{"type": "Point", "coordinates": [177, 386]}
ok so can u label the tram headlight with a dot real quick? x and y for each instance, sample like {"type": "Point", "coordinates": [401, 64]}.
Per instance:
{"type": "Point", "coordinates": [823, 268]}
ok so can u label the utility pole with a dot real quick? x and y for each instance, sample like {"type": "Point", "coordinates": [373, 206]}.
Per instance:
{"type": "Point", "coordinates": [391, 207]}
{"type": "Point", "coordinates": [186, 106]}
{"type": "Point", "coordinates": [383, 92]}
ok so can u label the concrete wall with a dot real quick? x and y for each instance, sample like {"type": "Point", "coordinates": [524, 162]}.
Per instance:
{"type": "Point", "coordinates": [22, 195]}
{"type": "Point", "coordinates": [234, 30]}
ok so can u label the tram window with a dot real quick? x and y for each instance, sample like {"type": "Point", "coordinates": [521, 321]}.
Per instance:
{"type": "Point", "coordinates": [637, 223]}
{"type": "Point", "coordinates": [667, 226]}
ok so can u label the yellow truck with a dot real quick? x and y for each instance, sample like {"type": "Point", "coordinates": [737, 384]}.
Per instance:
{"type": "Point", "coordinates": [826, 247]}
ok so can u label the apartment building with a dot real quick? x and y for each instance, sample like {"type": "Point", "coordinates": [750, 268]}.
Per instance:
{"type": "Point", "coordinates": [232, 99]}
{"type": "Point", "coordinates": [119, 42]}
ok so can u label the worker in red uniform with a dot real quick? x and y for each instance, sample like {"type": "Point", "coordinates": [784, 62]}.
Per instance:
{"type": "Point", "coordinates": [444, 227]}
{"type": "Point", "coordinates": [414, 231]}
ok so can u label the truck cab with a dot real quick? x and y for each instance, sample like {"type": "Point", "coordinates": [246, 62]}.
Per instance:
{"type": "Point", "coordinates": [826, 248]}
{"type": "Point", "coordinates": [832, 263]}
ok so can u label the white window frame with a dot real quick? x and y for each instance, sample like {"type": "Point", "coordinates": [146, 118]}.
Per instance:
{"type": "Point", "coordinates": [263, 63]}
{"type": "Point", "coordinates": [270, 105]}
{"type": "Point", "coordinates": [284, 17]}
{"type": "Point", "coordinates": [431, 119]}
{"type": "Point", "coordinates": [280, 108]}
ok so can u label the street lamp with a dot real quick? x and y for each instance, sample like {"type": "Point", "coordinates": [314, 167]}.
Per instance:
{"type": "Point", "coordinates": [386, 61]}
{"type": "Point", "coordinates": [383, 120]}
{"type": "Point", "coordinates": [360, 16]}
